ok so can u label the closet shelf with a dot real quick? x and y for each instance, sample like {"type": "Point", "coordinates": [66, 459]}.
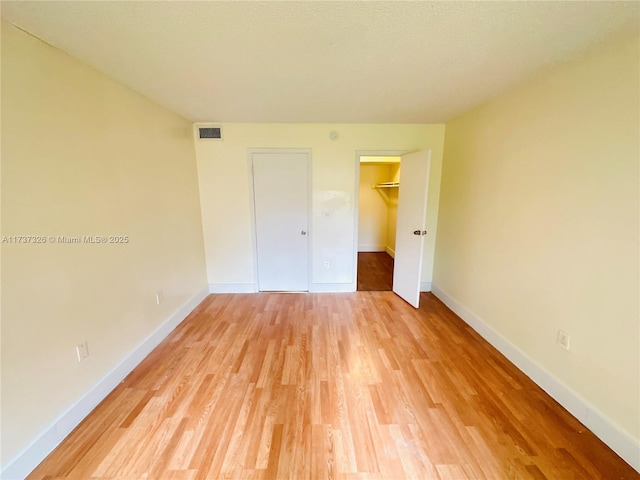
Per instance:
{"type": "Point", "coordinates": [386, 185]}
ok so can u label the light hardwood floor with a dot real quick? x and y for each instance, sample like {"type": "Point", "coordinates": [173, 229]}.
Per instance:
{"type": "Point", "coordinates": [312, 386]}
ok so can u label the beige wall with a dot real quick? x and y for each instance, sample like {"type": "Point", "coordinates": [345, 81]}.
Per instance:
{"type": "Point", "coordinates": [539, 220]}
{"type": "Point", "coordinates": [392, 213]}
{"type": "Point", "coordinates": [83, 155]}
{"type": "Point", "coordinates": [224, 190]}
{"type": "Point", "coordinates": [373, 207]}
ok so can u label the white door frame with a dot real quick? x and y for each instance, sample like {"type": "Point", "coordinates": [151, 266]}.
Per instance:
{"type": "Point", "coordinates": [356, 202]}
{"type": "Point", "coordinates": [252, 206]}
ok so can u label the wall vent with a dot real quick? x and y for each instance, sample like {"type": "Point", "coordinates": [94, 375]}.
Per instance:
{"type": "Point", "coordinates": [210, 132]}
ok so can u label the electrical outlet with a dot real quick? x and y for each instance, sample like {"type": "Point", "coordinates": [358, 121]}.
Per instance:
{"type": "Point", "coordinates": [327, 265]}
{"type": "Point", "coordinates": [82, 351]}
{"type": "Point", "coordinates": [159, 297]}
{"type": "Point", "coordinates": [563, 339]}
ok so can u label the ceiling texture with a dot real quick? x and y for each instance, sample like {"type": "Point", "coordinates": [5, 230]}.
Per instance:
{"type": "Point", "coordinates": [322, 62]}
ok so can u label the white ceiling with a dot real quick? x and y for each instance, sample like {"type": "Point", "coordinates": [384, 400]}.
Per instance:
{"type": "Point", "coordinates": [322, 62]}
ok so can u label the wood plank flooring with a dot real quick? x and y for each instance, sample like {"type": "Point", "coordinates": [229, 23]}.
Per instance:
{"type": "Point", "coordinates": [375, 271]}
{"type": "Point", "coordinates": [313, 386]}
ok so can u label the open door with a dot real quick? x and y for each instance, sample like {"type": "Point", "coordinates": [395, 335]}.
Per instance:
{"type": "Point", "coordinates": [411, 226]}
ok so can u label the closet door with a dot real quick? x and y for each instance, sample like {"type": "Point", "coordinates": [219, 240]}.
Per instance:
{"type": "Point", "coordinates": [411, 229]}
{"type": "Point", "coordinates": [281, 208]}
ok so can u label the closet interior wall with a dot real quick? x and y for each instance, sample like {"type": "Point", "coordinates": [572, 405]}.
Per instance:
{"type": "Point", "coordinates": [378, 207]}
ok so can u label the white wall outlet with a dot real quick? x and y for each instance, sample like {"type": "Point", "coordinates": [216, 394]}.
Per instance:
{"type": "Point", "coordinates": [327, 265]}
{"type": "Point", "coordinates": [159, 297]}
{"type": "Point", "coordinates": [82, 351]}
{"type": "Point", "coordinates": [563, 339]}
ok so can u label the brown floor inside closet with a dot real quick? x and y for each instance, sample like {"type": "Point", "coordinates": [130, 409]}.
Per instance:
{"type": "Point", "coordinates": [375, 271]}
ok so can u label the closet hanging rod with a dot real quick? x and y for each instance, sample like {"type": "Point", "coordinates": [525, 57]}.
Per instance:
{"type": "Point", "coordinates": [386, 185]}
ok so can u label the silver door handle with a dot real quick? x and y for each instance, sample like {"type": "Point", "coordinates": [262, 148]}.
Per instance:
{"type": "Point", "coordinates": [420, 232]}
{"type": "Point", "coordinates": [303, 232]}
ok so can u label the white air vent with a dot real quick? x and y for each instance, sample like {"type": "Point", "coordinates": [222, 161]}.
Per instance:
{"type": "Point", "coordinates": [209, 132]}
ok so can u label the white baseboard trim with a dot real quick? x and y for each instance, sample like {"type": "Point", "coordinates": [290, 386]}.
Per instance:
{"type": "Point", "coordinates": [250, 287]}
{"type": "Point", "coordinates": [371, 248]}
{"type": "Point", "coordinates": [31, 456]}
{"type": "Point", "coordinates": [425, 286]}
{"type": "Point", "coordinates": [332, 287]}
{"type": "Point", "coordinates": [390, 251]}
{"type": "Point", "coordinates": [232, 288]}
{"type": "Point", "coordinates": [617, 439]}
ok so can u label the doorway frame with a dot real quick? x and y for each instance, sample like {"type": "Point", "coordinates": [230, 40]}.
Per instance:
{"type": "Point", "coordinates": [356, 201]}
{"type": "Point", "coordinates": [252, 208]}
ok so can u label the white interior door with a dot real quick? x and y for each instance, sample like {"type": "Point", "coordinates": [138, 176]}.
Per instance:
{"type": "Point", "coordinates": [411, 225]}
{"type": "Point", "coordinates": [281, 195]}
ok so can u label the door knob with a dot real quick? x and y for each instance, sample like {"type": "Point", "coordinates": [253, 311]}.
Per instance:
{"type": "Point", "coordinates": [303, 232]}
{"type": "Point", "coordinates": [420, 232]}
